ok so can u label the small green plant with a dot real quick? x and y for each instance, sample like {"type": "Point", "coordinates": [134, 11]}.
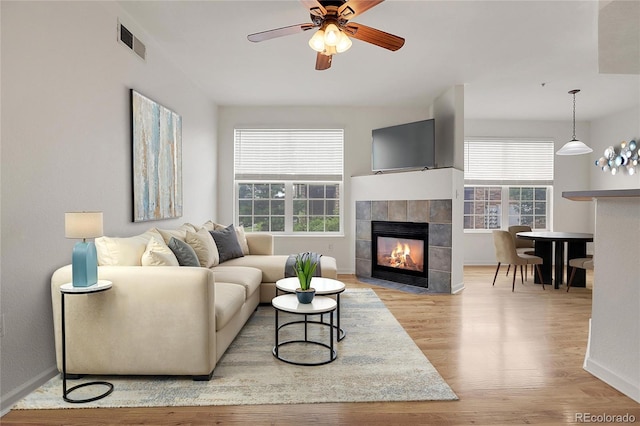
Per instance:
{"type": "Point", "coordinates": [305, 266]}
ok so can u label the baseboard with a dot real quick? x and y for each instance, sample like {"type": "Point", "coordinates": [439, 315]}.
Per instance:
{"type": "Point", "coordinates": [632, 390]}
{"type": "Point", "coordinates": [457, 288]}
{"type": "Point", "coordinates": [8, 400]}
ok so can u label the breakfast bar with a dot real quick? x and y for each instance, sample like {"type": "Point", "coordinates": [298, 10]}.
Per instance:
{"type": "Point", "coordinates": [613, 351]}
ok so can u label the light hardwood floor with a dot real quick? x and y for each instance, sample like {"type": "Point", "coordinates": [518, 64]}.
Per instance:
{"type": "Point", "coordinates": [512, 358]}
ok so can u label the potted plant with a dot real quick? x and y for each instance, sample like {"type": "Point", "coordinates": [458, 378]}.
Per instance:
{"type": "Point", "coordinates": [305, 266]}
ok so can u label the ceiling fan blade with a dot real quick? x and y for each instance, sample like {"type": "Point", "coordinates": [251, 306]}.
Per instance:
{"type": "Point", "coordinates": [323, 62]}
{"type": "Point", "coordinates": [315, 8]}
{"type": "Point", "coordinates": [279, 32]}
{"type": "Point", "coordinates": [353, 8]}
{"type": "Point", "coordinates": [373, 36]}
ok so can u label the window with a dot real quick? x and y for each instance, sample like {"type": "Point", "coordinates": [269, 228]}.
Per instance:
{"type": "Point", "coordinates": [507, 182]}
{"type": "Point", "coordinates": [289, 181]}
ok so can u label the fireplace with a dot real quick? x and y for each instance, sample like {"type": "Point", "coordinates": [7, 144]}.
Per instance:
{"type": "Point", "coordinates": [399, 252]}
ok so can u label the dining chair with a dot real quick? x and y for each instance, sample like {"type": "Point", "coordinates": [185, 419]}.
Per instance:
{"type": "Point", "coordinates": [522, 246]}
{"type": "Point", "coordinates": [580, 262]}
{"type": "Point", "coordinates": [506, 253]}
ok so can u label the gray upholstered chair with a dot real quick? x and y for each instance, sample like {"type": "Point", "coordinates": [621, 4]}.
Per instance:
{"type": "Point", "coordinates": [506, 253]}
{"type": "Point", "coordinates": [580, 262]}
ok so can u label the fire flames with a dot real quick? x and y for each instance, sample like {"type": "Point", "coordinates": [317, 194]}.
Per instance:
{"type": "Point", "coordinates": [401, 256]}
{"type": "Point", "coordinates": [397, 253]}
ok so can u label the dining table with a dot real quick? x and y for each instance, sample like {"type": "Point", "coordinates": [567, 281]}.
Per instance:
{"type": "Point", "coordinates": [549, 242]}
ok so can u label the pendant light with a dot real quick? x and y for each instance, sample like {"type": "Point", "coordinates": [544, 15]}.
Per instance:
{"type": "Point", "coordinates": [574, 146]}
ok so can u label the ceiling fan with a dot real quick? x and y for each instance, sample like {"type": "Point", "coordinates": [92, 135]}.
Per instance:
{"type": "Point", "coordinates": [332, 19]}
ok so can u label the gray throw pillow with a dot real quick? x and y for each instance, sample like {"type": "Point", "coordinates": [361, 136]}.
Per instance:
{"type": "Point", "coordinates": [185, 254]}
{"type": "Point", "coordinates": [227, 243]}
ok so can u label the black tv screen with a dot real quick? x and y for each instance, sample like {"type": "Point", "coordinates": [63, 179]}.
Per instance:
{"type": "Point", "coordinates": [405, 146]}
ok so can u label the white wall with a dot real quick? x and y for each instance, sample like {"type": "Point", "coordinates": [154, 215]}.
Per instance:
{"type": "Point", "coordinates": [571, 173]}
{"type": "Point", "coordinates": [66, 146]}
{"type": "Point", "coordinates": [357, 123]}
{"type": "Point", "coordinates": [613, 352]}
{"type": "Point", "coordinates": [610, 131]}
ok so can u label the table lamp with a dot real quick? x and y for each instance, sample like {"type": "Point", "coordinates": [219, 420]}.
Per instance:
{"type": "Point", "coordinates": [84, 264]}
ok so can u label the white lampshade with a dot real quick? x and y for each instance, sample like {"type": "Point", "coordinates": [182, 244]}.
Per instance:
{"type": "Point", "coordinates": [574, 147]}
{"type": "Point", "coordinates": [83, 225]}
{"type": "Point", "coordinates": [331, 35]}
{"type": "Point", "coordinates": [317, 41]}
{"type": "Point", "coordinates": [344, 43]}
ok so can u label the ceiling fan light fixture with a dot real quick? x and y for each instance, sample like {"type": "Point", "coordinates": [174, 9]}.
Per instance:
{"type": "Point", "coordinates": [329, 50]}
{"type": "Point", "coordinates": [574, 146]}
{"type": "Point", "coordinates": [317, 41]}
{"type": "Point", "coordinates": [331, 35]}
{"type": "Point", "coordinates": [344, 43]}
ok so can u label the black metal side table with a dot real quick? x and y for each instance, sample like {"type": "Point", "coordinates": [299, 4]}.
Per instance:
{"type": "Point", "coordinates": [68, 288]}
{"type": "Point", "coordinates": [319, 305]}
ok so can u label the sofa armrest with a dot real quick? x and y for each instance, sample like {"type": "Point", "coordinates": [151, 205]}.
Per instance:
{"type": "Point", "coordinates": [260, 243]}
{"type": "Point", "coordinates": [154, 320]}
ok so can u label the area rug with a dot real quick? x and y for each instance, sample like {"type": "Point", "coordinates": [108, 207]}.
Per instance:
{"type": "Point", "coordinates": [376, 361]}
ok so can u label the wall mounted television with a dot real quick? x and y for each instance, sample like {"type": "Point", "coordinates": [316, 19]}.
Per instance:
{"type": "Point", "coordinates": [403, 147]}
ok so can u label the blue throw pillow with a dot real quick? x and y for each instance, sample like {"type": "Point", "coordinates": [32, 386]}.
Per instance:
{"type": "Point", "coordinates": [185, 254]}
{"type": "Point", "coordinates": [227, 243]}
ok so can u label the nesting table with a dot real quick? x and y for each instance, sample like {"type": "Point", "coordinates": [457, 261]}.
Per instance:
{"type": "Point", "coordinates": [323, 287]}
{"type": "Point", "coordinates": [319, 305]}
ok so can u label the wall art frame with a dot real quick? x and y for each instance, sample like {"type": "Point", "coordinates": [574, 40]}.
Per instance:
{"type": "Point", "coordinates": [157, 160]}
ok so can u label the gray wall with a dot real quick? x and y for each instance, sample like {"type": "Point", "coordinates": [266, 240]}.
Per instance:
{"type": "Point", "coordinates": [66, 146]}
{"type": "Point", "coordinates": [610, 131]}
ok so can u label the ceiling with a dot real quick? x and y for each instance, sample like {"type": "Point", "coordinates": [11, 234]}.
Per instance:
{"type": "Point", "coordinates": [517, 59]}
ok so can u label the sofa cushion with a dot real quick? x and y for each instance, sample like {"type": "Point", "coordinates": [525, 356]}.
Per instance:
{"type": "Point", "coordinates": [272, 267]}
{"type": "Point", "coordinates": [228, 301]}
{"type": "Point", "coordinates": [204, 246]}
{"type": "Point", "coordinates": [249, 278]}
{"type": "Point", "coordinates": [184, 252]}
{"type": "Point", "coordinates": [158, 254]}
{"type": "Point", "coordinates": [227, 243]}
{"type": "Point", "coordinates": [128, 251]}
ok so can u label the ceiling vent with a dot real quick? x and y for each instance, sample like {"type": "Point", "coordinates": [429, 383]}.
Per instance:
{"type": "Point", "coordinates": [132, 42]}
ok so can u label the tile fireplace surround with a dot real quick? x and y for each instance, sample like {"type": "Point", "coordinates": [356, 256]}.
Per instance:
{"type": "Point", "coordinates": [437, 213]}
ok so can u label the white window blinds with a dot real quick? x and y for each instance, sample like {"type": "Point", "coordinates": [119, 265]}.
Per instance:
{"type": "Point", "coordinates": [287, 154]}
{"type": "Point", "coordinates": [493, 161]}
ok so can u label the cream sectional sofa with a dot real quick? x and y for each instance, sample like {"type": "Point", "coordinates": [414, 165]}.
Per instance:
{"type": "Point", "coordinates": [164, 320]}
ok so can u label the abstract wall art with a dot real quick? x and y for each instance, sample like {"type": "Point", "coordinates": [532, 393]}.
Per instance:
{"type": "Point", "coordinates": [157, 160]}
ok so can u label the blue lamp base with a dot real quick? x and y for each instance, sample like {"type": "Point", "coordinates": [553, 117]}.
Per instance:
{"type": "Point", "coordinates": [84, 264]}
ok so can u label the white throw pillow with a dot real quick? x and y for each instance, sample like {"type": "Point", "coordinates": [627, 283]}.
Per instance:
{"type": "Point", "coordinates": [205, 247]}
{"type": "Point", "coordinates": [158, 253]}
{"type": "Point", "coordinates": [113, 251]}
{"type": "Point", "coordinates": [212, 226]}
{"type": "Point", "coordinates": [179, 234]}
{"type": "Point", "coordinates": [242, 239]}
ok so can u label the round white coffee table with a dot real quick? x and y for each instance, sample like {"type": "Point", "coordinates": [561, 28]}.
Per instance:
{"type": "Point", "coordinates": [323, 287]}
{"type": "Point", "coordinates": [319, 305]}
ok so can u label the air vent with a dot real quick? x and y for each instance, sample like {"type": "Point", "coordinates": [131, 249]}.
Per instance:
{"type": "Point", "coordinates": [132, 42]}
